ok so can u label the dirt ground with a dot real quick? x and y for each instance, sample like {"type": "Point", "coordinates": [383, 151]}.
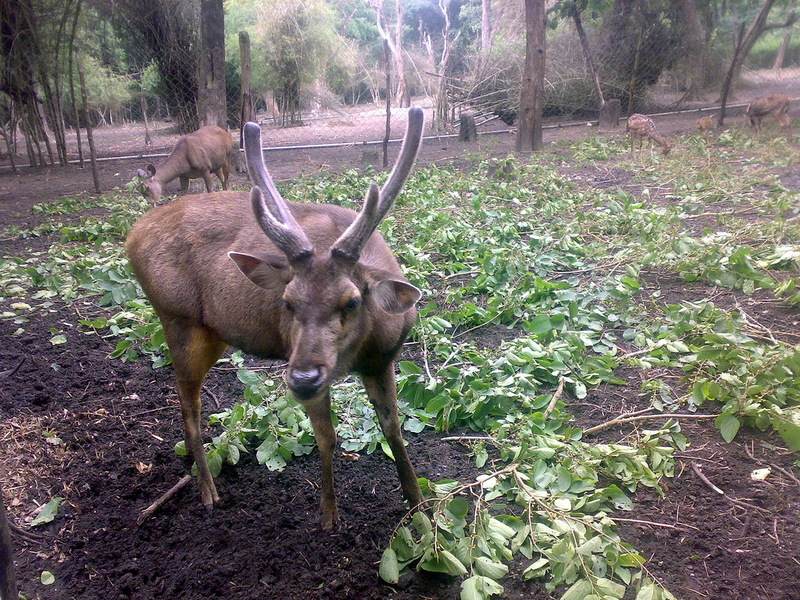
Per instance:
{"type": "Point", "coordinates": [100, 433]}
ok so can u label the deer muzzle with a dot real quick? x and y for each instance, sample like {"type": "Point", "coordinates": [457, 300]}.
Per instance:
{"type": "Point", "coordinates": [305, 383]}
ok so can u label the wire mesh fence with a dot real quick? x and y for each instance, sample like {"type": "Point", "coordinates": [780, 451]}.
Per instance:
{"type": "Point", "coordinates": [319, 73]}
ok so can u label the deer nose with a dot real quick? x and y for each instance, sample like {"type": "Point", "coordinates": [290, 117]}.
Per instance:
{"type": "Point", "coordinates": [304, 383]}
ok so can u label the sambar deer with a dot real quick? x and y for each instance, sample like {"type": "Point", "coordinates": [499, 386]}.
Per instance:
{"type": "Point", "coordinates": [312, 284]}
{"type": "Point", "coordinates": [776, 105]}
{"type": "Point", "coordinates": [199, 154]}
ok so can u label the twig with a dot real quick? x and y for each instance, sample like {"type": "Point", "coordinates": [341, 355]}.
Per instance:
{"type": "Point", "coordinates": [29, 535]}
{"type": "Point", "coordinates": [148, 512]}
{"type": "Point", "coordinates": [627, 419]}
{"type": "Point", "coordinates": [468, 438]}
{"type": "Point", "coordinates": [708, 482]}
{"type": "Point", "coordinates": [786, 472]}
{"type": "Point", "coordinates": [213, 396]}
{"type": "Point", "coordinates": [12, 370]}
{"type": "Point", "coordinates": [555, 398]}
{"type": "Point", "coordinates": [681, 527]}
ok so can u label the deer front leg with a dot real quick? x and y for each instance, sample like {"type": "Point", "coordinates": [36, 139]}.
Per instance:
{"type": "Point", "coordinates": [319, 411]}
{"type": "Point", "coordinates": [382, 392]}
{"type": "Point", "coordinates": [194, 351]}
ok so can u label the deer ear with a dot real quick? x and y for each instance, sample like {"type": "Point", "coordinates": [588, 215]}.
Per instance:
{"type": "Point", "coordinates": [151, 169]}
{"type": "Point", "coordinates": [395, 296]}
{"type": "Point", "coordinates": [269, 272]}
{"type": "Point", "coordinates": [142, 173]}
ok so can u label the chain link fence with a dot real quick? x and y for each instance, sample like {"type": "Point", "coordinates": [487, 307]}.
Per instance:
{"type": "Point", "coordinates": [319, 74]}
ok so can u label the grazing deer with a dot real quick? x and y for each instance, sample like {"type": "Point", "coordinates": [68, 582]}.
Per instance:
{"type": "Point", "coordinates": [776, 105]}
{"type": "Point", "coordinates": [198, 154]}
{"type": "Point", "coordinates": [312, 284]}
{"type": "Point", "coordinates": [642, 128]}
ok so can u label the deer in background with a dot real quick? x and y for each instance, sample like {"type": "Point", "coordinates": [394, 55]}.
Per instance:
{"type": "Point", "coordinates": [311, 284]}
{"type": "Point", "coordinates": [706, 125]}
{"type": "Point", "coordinates": [199, 154]}
{"type": "Point", "coordinates": [776, 105]}
{"type": "Point", "coordinates": [642, 128]}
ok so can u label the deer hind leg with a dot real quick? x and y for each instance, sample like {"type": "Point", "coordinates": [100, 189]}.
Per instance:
{"type": "Point", "coordinates": [184, 185]}
{"type": "Point", "coordinates": [208, 181]}
{"type": "Point", "coordinates": [382, 392]}
{"type": "Point", "coordinates": [194, 351]}
{"type": "Point", "coordinates": [319, 411]}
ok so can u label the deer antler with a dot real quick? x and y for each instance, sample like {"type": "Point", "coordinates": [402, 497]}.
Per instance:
{"type": "Point", "coordinates": [271, 210]}
{"type": "Point", "coordinates": [378, 202]}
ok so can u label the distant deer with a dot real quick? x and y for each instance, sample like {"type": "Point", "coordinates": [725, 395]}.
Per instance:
{"type": "Point", "coordinates": [198, 154]}
{"type": "Point", "coordinates": [311, 284]}
{"type": "Point", "coordinates": [642, 128]}
{"type": "Point", "coordinates": [706, 125]}
{"type": "Point", "coordinates": [776, 105]}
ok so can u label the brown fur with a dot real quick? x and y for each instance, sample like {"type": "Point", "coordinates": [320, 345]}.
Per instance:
{"type": "Point", "coordinates": [642, 128]}
{"type": "Point", "coordinates": [776, 105]}
{"type": "Point", "coordinates": [215, 279]}
{"type": "Point", "coordinates": [196, 155]}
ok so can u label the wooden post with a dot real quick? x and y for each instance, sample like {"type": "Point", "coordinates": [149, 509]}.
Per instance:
{"type": "Point", "coordinates": [467, 131]}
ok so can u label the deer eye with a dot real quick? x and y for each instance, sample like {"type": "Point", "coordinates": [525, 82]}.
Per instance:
{"type": "Point", "coordinates": [288, 306]}
{"type": "Point", "coordinates": [352, 304]}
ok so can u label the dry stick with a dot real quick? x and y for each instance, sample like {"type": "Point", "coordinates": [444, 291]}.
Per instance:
{"type": "Point", "coordinates": [681, 527]}
{"type": "Point", "coordinates": [708, 482]}
{"type": "Point", "coordinates": [786, 472]}
{"type": "Point", "coordinates": [624, 419]}
{"type": "Point", "coordinates": [148, 512]}
{"type": "Point", "coordinates": [555, 398]}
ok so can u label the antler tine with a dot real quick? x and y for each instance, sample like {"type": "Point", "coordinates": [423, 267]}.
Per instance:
{"type": "Point", "coordinates": [270, 208]}
{"type": "Point", "coordinates": [378, 202]}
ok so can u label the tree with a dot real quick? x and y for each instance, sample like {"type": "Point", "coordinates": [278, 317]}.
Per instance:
{"type": "Point", "coordinates": [745, 42]}
{"type": "Point", "coordinates": [529, 132]}
{"type": "Point", "coordinates": [165, 32]}
{"type": "Point", "coordinates": [395, 47]}
{"type": "Point", "coordinates": [212, 107]}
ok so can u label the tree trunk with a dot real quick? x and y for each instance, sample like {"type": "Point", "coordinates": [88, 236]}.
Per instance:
{"type": "Point", "coordinates": [694, 47]}
{"type": "Point", "coordinates": [587, 56]}
{"type": "Point", "coordinates": [212, 108]}
{"type": "Point", "coordinates": [529, 132]}
{"type": "Point", "coordinates": [247, 114]}
{"type": "Point", "coordinates": [403, 94]}
{"type": "Point", "coordinates": [486, 26]}
{"type": "Point", "coordinates": [73, 101]}
{"type": "Point", "coordinates": [88, 122]}
{"type": "Point", "coordinates": [781, 55]}
{"type": "Point", "coordinates": [8, 577]}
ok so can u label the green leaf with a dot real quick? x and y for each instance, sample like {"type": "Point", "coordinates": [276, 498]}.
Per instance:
{"type": "Point", "coordinates": [58, 339]}
{"type": "Point", "coordinates": [389, 569]}
{"type": "Point", "coordinates": [47, 578]}
{"type": "Point", "coordinates": [579, 590]}
{"type": "Point", "coordinates": [442, 561]}
{"type": "Point", "coordinates": [48, 513]}
{"type": "Point", "coordinates": [489, 568]}
{"type": "Point", "coordinates": [479, 587]}
{"type": "Point", "coordinates": [728, 426]}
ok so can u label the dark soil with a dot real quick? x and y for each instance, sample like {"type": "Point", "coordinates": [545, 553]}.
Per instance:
{"type": "Point", "coordinates": [100, 433]}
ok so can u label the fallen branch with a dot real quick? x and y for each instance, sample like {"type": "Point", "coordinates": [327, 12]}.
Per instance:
{"type": "Point", "coordinates": [629, 419]}
{"type": "Point", "coordinates": [681, 527]}
{"type": "Point", "coordinates": [555, 398]}
{"type": "Point", "coordinates": [148, 512]}
{"type": "Point", "coordinates": [741, 503]}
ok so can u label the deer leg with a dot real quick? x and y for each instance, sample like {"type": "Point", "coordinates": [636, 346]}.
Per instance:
{"type": "Point", "coordinates": [208, 181]}
{"type": "Point", "coordinates": [319, 411]}
{"type": "Point", "coordinates": [194, 351]}
{"type": "Point", "coordinates": [382, 392]}
{"type": "Point", "coordinates": [184, 185]}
